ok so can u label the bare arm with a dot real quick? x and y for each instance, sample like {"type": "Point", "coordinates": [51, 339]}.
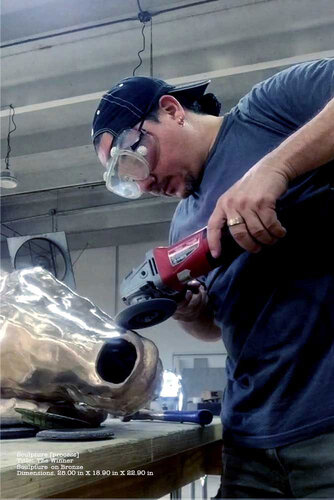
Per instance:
{"type": "Point", "coordinates": [253, 197]}
{"type": "Point", "coordinates": [310, 147]}
{"type": "Point", "coordinates": [195, 316]}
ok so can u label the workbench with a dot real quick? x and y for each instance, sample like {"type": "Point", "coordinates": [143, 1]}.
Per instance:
{"type": "Point", "coordinates": [145, 459]}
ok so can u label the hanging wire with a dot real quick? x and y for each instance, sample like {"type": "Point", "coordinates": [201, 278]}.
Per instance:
{"type": "Point", "coordinates": [10, 131]}
{"type": "Point", "coordinates": [53, 212]}
{"type": "Point", "coordinates": [55, 215]}
{"type": "Point", "coordinates": [151, 49]}
{"type": "Point", "coordinates": [144, 17]}
{"type": "Point", "coordinates": [140, 51]}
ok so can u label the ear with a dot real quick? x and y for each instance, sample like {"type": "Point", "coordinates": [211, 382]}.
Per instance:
{"type": "Point", "coordinates": [171, 106]}
{"type": "Point", "coordinates": [104, 147]}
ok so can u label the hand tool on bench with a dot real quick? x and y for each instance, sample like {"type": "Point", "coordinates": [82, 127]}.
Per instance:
{"type": "Point", "coordinates": [201, 417]}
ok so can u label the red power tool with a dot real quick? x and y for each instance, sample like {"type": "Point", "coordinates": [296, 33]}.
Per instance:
{"type": "Point", "coordinates": [154, 288]}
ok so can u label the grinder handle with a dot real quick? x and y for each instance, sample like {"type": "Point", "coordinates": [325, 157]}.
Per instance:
{"type": "Point", "coordinates": [313, 209]}
{"type": "Point", "coordinates": [191, 258]}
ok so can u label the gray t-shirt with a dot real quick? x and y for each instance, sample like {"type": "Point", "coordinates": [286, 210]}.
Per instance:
{"type": "Point", "coordinates": [275, 308]}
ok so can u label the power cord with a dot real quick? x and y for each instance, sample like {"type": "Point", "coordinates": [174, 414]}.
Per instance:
{"type": "Point", "coordinates": [144, 17]}
{"type": "Point", "coordinates": [10, 131]}
{"type": "Point", "coordinates": [140, 51]}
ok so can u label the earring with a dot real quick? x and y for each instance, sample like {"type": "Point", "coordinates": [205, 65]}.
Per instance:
{"type": "Point", "coordinates": [181, 121]}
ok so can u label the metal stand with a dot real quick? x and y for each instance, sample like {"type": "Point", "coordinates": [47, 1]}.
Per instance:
{"type": "Point", "coordinates": [192, 490]}
{"type": "Point", "coordinates": [176, 493]}
{"type": "Point", "coordinates": [204, 484]}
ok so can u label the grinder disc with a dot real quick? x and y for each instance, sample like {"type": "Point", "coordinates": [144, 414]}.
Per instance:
{"type": "Point", "coordinates": [145, 314]}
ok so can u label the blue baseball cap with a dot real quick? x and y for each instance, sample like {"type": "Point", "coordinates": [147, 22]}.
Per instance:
{"type": "Point", "coordinates": [132, 99]}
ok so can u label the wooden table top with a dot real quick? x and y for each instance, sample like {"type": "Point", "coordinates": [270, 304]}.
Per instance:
{"type": "Point", "coordinates": [39, 469]}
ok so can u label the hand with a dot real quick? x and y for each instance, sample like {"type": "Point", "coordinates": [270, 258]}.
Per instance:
{"type": "Point", "coordinates": [253, 199]}
{"type": "Point", "coordinates": [193, 303]}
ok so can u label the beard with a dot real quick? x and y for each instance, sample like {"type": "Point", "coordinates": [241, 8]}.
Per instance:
{"type": "Point", "coordinates": [189, 185]}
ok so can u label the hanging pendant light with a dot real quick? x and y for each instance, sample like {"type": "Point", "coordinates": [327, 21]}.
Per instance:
{"type": "Point", "coordinates": [7, 178]}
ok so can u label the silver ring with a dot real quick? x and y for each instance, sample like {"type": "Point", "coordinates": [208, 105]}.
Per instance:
{"type": "Point", "coordinates": [235, 221]}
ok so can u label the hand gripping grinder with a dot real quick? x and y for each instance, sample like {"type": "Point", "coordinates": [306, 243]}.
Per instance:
{"type": "Point", "coordinates": [153, 289]}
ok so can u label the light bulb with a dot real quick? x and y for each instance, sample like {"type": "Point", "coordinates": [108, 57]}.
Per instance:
{"type": "Point", "coordinates": [7, 179]}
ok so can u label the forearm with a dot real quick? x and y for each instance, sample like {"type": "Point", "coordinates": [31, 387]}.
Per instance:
{"type": "Point", "coordinates": [308, 148]}
{"type": "Point", "coordinates": [203, 328]}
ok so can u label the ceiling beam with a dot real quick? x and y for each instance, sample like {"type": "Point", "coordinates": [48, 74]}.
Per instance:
{"type": "Point", "coordinates": [236, 70]}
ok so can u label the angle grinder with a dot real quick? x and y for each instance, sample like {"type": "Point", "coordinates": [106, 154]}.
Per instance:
{"type": "Point", "coordinates": [152, 290]}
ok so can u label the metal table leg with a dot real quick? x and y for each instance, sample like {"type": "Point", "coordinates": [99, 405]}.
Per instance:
{"type": "Point", "coordinates": [204, 484]}
{"type": "Point", "coordinates": [176, 493]}
{"type": "Point", "coordinates": [192, 490]}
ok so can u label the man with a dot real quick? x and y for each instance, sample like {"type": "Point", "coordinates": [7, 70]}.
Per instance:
{"type": "Point", "coordinates": [270, 157]}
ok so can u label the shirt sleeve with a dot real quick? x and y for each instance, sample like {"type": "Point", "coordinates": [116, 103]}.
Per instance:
{"type": "Point", "coordinates": [174, 232]}
{"type": "Point", "coordinates": [292, 97]}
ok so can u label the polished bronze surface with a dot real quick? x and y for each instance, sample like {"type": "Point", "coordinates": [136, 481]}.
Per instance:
{"type": "Point", "coordinates": [58, 346]}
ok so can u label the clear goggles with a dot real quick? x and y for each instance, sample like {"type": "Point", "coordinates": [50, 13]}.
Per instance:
{"type": "Point", "coordinates": [132, 157]}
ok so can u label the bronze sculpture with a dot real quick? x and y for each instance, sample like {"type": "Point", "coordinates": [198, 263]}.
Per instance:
{"type": "Point", "coordinates": [57, 347]}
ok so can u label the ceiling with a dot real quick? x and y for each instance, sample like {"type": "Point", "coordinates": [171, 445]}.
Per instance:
{"type": "Point", "coordinates": [59, 56]}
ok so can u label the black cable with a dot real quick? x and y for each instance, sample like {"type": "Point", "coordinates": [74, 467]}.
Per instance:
{"type": "Point", "coordinates": [69, 32]}
{"type": "Point", "coordinates": [151, 50]}
{"type": "Point", "coordinates": [120, 21]}
{"type": "Point", "coordinates": [34, 243]}
{"type": "Point", "coordinates": [140, 51]}
{"type": "Point", "coordinates": [10, 229]}
{"type": "Point", "coordinates": [193, 4]}
{"type": "Point", "coordinates": [10, 131]}
{"type": "Point", "coordinates": [144, 17]}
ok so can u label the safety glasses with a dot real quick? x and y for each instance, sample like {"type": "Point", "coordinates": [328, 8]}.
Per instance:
{"type": "Point", "coordinates": [133, 155]}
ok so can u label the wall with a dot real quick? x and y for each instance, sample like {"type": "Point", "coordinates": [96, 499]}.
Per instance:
{"type": "Point", "coordinates": [95, 275]}
{"type": "Point", "coordinates": [5, 265]}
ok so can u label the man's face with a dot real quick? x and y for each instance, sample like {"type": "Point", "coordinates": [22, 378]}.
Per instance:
{"type": "Point", "coordinates": [174, 168]}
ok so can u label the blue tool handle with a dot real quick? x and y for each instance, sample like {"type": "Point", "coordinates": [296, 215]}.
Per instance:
{"type": "Point", "coordinates": [201, 417]}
